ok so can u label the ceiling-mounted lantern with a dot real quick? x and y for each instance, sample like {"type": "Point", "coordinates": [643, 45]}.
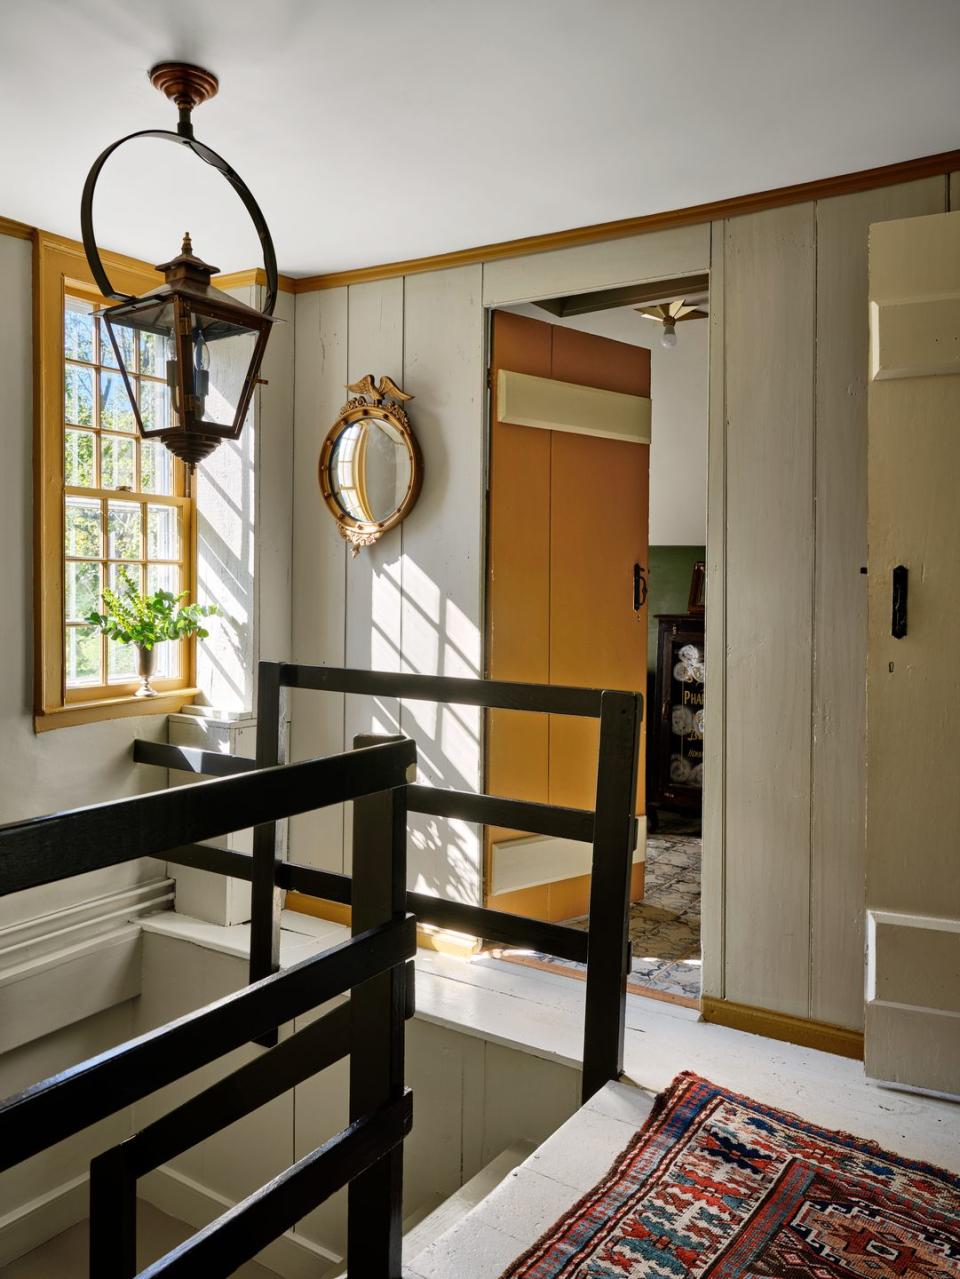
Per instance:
{"type": "Point", "coordinates": [205, 344]}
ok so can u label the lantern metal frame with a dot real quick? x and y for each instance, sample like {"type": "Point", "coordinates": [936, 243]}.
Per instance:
{"type": "Point", "coordinates": [188, 86]}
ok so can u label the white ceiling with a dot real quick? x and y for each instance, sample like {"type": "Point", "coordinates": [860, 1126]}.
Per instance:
{"type": "Point", "coordinates": [372, 130]}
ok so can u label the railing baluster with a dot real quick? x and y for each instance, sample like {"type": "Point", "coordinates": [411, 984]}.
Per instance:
{"type": "Point", "coordinates": [608, 960]}
{"type": "Point", "coordinates": [113, 1216]}
{"type": "Point", "coordinates": [378, 1008]}
{"type": "Point", "coordinates": [266, 897]}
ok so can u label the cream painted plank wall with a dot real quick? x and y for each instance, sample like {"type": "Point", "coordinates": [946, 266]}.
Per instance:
{"type": "Point", "coordinates": [374, 345]}
{"type": "Point", "coordinates": [837, 832]}
{"type": "Point", "coordinates": [443, 559]}
{"type": "Point", "coordinates": [319, 560]}
{"type": "Point", "coordinates": [769, 281]}
{"type": "Point", "coordinates": [782, 856]}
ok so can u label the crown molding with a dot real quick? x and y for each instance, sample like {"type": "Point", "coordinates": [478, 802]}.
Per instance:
{"type": "Point", "coordinates": [736, 206]}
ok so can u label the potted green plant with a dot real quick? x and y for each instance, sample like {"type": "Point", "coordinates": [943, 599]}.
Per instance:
{"type": "Point", "coordinates": [148, 620]}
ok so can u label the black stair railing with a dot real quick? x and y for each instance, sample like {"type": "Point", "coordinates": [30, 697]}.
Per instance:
{"type": "Point", "coordinates": [610, 828]}
{"type": "Point", "coordinates": [374, 966]}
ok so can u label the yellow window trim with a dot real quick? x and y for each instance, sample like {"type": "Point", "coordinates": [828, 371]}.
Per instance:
{"type": "Point", "coordinates": [60, 266]}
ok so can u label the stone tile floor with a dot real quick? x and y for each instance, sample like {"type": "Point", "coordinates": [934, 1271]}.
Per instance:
{"type": "Point", "coordinates": [665, 926]}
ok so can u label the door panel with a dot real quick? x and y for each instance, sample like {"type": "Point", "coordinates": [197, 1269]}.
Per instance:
{"type": "Point", "coordinates": [913, 686]}
{"type": "Point", "coordinates": [518, 585]}
{"type": "Point", "coordinates": [598, 532]}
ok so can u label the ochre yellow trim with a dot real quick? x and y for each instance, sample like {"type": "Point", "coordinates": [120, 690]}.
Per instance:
{"type": "Point", "coordinates": [255, 275]}
{"type": "Point", "coordinates": [18, 230]}
{"type": "Point", "coordinates": [820, 189]}
{"type": "Point", "coordinates": [113, 708]}
{"type": "Point", "coordinates": [438, 939]}
{"type": "Point", "coordinates": [60, 265]}
{"type": "Point", "coordinates": [781, 1026]}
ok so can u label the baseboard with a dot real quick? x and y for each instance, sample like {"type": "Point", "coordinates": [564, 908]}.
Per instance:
{"type": "Point", "coordinates": [821, 1035]}
{"type": "Point", "coordinates": [292, 1256]}
{"type": "Point", "coordinates": [31, 1224]}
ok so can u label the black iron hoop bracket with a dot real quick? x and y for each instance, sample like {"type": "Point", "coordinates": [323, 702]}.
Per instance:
{"type": "Point", "coordinates": [208, 157]}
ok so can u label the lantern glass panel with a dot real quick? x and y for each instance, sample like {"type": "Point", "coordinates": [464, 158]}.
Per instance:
{"type": "Point", "coordinates": [144, 330]}
{"type": "Point", "coordinates": [223, 352]}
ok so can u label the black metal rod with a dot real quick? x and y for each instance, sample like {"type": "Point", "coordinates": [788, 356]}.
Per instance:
{"type": "Point", "coordinates": [42, 850]}
{"type": "Point", "coordinates": [375, 1198]}
{"type": "Point", "coordinates": [265, 895]}
{"type": "Point", "coordinates": [435, 801]}
{"type": "Point", "coordinates": [608, 961]}
{"type": "Point", "coordinates": [476, 921]}
{"type": "Point", "coordinates": [66, 1103]}
{"type": "Point", "coordinates": [492, 810]}
{"type": "Point", "coordinates": [269, 1075]}
{"type": "Point", "coordinates": [190, 759]}
{"type": "Point", "coordinates": [553, 699]}
{"type": "Point", "coordinates": [113, 1216]}
{"type": "Point", "coordinates": [209, 157]}
{"type": "Point", "coordinates": [217, 1250]}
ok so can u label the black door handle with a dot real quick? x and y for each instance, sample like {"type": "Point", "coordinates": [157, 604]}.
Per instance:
{"type": "Point", "coordinates": [898, 603]}
{"type": "Point", "coordinates": [639, 588]}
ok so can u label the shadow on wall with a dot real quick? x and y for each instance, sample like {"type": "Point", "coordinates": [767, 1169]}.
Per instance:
{"type": "Point", "coordinates": [225, 571]}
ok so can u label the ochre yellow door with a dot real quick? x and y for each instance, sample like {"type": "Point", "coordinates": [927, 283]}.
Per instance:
{"type": "Point", "coordinates": [567, 524]}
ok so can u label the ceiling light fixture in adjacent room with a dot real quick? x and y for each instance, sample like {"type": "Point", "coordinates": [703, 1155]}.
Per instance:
{"type": "Point", "coordinates": [203, 347]}
{"type": "Point", "coordinates": [669, 314]}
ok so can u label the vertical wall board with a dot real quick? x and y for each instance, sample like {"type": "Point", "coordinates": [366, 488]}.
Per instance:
{"type": "Point", "coordinates": [712, 886]}
{"type": "Point", "coordinates": [524, 1097]}
{"type": "Point", "coordinates": [656, 255]}
{"type": "Point", "coordinates": [953, 191]}
{"type": "Point", "coordinates": [840, 598]}
{"type": "Point", "coordinates": [443, 559]}
{"type": "Point", "coordinates": [374, 345]}
{"type": "Point", "coordinates": [274, 509]}
{"type": "Point", "coordinates": [769, 289]}
{"type": "Point", "coordinates": [319, 559]}
{"type": "Point", "coordinates": [432, 1154]}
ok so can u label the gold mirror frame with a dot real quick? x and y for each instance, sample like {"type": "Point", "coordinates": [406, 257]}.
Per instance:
{"type": "Point", "coordinates": [371, 401]}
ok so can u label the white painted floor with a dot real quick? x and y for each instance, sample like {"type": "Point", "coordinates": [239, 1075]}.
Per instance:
{"type": "Point", "coordinates": [542, 1013]}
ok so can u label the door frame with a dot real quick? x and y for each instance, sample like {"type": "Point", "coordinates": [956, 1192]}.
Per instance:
{"type": "Point", "coordinates": [713, 826]}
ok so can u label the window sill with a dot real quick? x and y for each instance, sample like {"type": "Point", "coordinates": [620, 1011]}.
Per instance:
{"type": "Point", "coordinates": [113, 708]}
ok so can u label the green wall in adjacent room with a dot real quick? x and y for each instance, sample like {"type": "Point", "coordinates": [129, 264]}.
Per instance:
{"type": "Point", "coordinates": [671, 568]}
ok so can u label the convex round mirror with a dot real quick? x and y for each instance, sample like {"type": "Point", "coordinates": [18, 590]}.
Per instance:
{"type": "Point", "coordinates": [370, 464]}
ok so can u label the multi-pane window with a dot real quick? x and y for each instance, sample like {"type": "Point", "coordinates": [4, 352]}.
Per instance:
{"type": "Point", "coordinates": [125, 513]}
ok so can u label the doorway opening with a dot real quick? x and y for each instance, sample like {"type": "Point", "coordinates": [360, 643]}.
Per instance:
{"type": "Point", "coordinates": [595, 566]}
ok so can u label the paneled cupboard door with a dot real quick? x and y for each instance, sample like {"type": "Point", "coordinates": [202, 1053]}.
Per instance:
{"type": "Point", "coordinates": [912, 1020]}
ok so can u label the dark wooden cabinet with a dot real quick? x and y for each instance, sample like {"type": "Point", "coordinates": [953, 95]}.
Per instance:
{"type": "Point", "coordinates": [675, 723]}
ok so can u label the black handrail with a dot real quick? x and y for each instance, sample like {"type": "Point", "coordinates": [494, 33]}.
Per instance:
{"type": "Point", "coordinates": [611, 828]}
{"type": "Point", "coordinates": [374, 965]}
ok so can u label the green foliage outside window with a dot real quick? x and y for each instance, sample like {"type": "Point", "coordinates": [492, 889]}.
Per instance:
{"type": "Point", "coordinates": [146, 620]}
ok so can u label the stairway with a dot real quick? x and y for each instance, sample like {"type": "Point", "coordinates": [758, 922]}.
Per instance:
{"type": "Point", "coordinates": [504, 1224]}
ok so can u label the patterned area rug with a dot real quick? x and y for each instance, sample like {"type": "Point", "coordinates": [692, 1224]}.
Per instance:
{"type": "Point", "coordinates": [721, 1187]}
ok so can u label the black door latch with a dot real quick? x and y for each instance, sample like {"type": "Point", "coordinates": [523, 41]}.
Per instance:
{"type": "Point", "coordinates": [898, 611]}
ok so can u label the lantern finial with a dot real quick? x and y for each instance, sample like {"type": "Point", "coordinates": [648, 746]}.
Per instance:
{"type": "Point", "coordinates": [187, 246]}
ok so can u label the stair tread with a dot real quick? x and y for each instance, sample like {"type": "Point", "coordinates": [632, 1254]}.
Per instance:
{"type": "Point", "coordinates": [552, 1178]}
